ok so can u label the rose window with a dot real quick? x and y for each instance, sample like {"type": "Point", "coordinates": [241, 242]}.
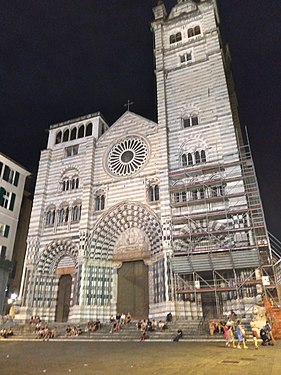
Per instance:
{"type": "Point", "coordinates": [127, 156]}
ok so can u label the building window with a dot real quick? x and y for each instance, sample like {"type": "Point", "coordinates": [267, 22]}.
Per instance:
{"type": "Point", "coordinates": [4, 230]}
{"type": "Point", "coordinates": [185, 57]}
{"type": "Point", "coordinates": [217, 191]}
{"type": "Point", "coordinates": [180, 197]}
{"type": "Point", "coordinates": [184, 160]}
{"type": "Point", "coordinates": [100, 202]}
{"type": "Point", "coordinates": [71, 151]}
{"type": "Point", "coordinates": [190, 159]}
{"type": "Point", "coordinates": [76, 213]}
{"type": "Point", "coordinates": [50, 217]}
{"type": "Point", "coordinates": [7, 200]}
{"type": "Point", "coordinates": [153, 193]}
{"type": "Point", "coordinates": [3, 250]}
{"type": "Point", "coordinates": [10, 175]}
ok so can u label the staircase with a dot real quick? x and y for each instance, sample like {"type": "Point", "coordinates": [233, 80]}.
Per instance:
{"type": "Point", "coordinates": [128, 332]}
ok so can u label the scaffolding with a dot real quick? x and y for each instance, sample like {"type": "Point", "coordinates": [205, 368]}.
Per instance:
{"type": "Point", "coordinates": [221, 247]}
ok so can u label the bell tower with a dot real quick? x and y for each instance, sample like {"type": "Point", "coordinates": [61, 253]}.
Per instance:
{"type": "Point", "coordinates": [194, 91]}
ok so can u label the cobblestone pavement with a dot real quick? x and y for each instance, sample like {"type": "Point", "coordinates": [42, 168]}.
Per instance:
{"type": "Point", "coordinates": [90, 358]}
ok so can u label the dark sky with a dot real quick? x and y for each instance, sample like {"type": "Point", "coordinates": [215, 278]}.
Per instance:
{"type": "Point", "coordinates": [61, 59]}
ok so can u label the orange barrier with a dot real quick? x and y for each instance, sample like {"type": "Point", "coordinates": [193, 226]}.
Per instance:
{"type": "Point", "coordinates": [275, 315]}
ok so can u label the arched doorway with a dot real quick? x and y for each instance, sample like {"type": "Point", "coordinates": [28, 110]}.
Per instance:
{"type": "Point", "coordinates": [63, 299]}
{"type": "Point", "coordinates": [133, 289]}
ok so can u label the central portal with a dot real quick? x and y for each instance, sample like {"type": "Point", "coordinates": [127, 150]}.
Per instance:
{"type": "Point", "coordinates": [133, 289]}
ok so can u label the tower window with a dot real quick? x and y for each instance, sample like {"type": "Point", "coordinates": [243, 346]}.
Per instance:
{"type": "Point", "coordinates": [76, 213]}
{"type": "Point", "coordinates": [197, 30]}
{"type": "Point", "coordinates": [189, 121]}
{"type": "Point", "coordinates": [175, 38]}
{"type": "Point", "coordinates": [73, 134]}
{"type": "Point", "coordinates": [197, 157]}
{"type": "Point", "coordinates": [71, 151]}
{"type": "Point", "coordinates": [65, 135]}
{"type": "Point", "coordinates": [184, 160]}
{"type": "Point", "coordinates": [58, 137]}
{"type": "Point", "coordinates": [193, 31]}
{"type": "Point", "coordinates": [178, 37]}
{"type": "Point", "coordinates": [89, 129]}
{"type": "Point", "coordinates": [81, 131]}
{"type": "Point", "coordinates": [185, 57]}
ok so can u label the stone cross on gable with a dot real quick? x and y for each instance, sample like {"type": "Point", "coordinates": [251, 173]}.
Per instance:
{"type": "Point", "coordinates": [128, 104]}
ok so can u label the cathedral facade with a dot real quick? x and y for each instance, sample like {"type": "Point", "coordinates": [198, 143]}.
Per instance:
{"type": "Point", "coordinates": [146, 217]}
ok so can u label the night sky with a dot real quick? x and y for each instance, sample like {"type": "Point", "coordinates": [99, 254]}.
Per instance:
{"type": "Point", "coordinates": [66, 58]}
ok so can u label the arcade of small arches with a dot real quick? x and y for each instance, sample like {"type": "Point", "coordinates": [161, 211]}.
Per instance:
{"type": "Point", "coordinates": [70, 184]}
{"type": "Point", "coordinates": [73, 133]}
{"type": "Point", "coordinates": [192, 158]}
{"type": "Point", "coordinates": [63, 214]}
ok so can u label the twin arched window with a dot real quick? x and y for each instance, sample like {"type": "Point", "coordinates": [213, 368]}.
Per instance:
{"type": "Point", "coordinates": [175, 38]}
{"type": "Point", "coordinates": [76, 132]}
{"type": "Point", "coordinates": [193, 31]}
{"type": "Point", "coordinates": [100, 201]}
{"type": "Point", "coordinates": [191, 120]}
{"type": "Point", "coordinates": [153, 193]}
{"type": "Point", "coordinates": [196, 157]}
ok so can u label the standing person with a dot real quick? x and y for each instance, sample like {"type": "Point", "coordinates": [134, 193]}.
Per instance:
{"type": "Point", "coordinates": [230, 336]}
{"type": "Point", "coordinates": [255, 333]}
{"type": "Point", "coordinates": [240, 335]}
{"type": "Point", "coordinates": [268, 330]}
{"type": "Point", "coordinates": [226, 334]}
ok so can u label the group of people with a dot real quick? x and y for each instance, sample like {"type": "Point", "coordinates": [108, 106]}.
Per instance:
{"type": "Point", "coordinates": [118, 321]}
{"type": "Point", "coordinates": [93, 326]}
{"type": "Point", "coordinates": [146, 326]}
{"type": "Point", "coordinates": [230, 329]}
{"type": "Point", "coordinates": [6, 332]}
{"type": "Point", "coordinates": [265, 333]}
{"type": "Point", "coordinates": [73, 331]}
{"type": "Point", "coordinates": [44, 332]}
{"type": "Point", "coordinates": [235, 335]}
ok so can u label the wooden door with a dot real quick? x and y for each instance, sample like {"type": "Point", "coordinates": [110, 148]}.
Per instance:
{"type": "Point", "coordinates": [133, 289]}
{"type": "Point", "coordinates": [63, 300]}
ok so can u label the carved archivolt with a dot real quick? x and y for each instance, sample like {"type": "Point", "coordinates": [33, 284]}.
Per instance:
{"type": "Point", "coordinates": [54, 252]}
{"type": "Point", "coordinates": [120, 224]}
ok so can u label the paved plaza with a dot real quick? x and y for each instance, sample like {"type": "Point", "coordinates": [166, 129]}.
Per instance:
{"type": "Point", "coordinates": [90, 358]}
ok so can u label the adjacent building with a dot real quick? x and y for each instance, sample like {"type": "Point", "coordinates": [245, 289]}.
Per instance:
{"type": "Point", "coordinates": [146, 217]}
{"type": "Point", "coordinates": [12, 183]}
